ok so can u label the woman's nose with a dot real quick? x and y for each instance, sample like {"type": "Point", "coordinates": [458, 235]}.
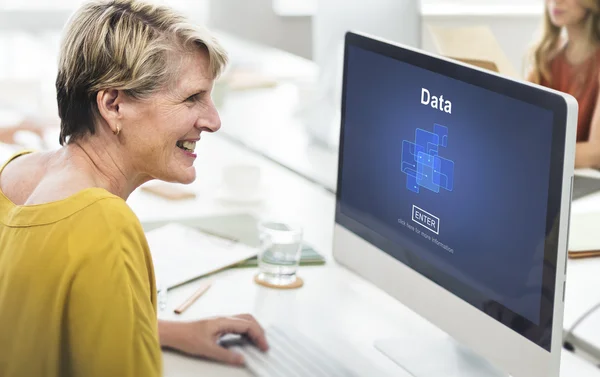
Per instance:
{"type": "Point", "coordinates": [210, 119]}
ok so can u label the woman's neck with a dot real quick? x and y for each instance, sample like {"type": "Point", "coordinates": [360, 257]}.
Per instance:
{"type": "Point", "coordinates": [579, 46]}
{"type": "Point", "coordinates": [101, 164]}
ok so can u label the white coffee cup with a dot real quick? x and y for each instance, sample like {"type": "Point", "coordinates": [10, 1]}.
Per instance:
{"type": "Point", "coordinates": [241, 182]}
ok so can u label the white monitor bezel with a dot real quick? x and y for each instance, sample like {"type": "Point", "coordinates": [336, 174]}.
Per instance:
{"type": "Point", "coordinates": [506, 349]}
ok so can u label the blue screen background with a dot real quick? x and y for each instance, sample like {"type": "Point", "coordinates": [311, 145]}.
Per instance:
{"type": "Point", "coordinates": [494, 219]}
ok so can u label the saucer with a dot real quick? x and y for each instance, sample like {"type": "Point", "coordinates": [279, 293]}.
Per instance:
{"type": "Point", "coordinates": [228, 194]}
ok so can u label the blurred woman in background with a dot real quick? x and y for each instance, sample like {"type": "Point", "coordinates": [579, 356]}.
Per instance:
{"type": "Point", "coordinates": [567, 58]}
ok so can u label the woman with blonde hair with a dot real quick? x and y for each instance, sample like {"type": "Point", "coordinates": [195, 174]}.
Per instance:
{"type": "Point", "coordinates": [567, 58]}
{"type": "Point", "coordinates": [77, 287]}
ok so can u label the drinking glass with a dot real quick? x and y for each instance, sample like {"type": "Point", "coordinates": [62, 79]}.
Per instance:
{"type": "Point", "coordinates": [279, 252]}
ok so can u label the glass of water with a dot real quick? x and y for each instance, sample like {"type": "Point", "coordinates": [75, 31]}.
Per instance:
{"type": "Point", "coordinates": [279, 252]}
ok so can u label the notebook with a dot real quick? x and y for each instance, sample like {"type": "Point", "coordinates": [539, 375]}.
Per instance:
{"type": "Point", "coordinates": [181, 253]}
{"type": "Point", "coordinates": [242, 228]}
{"type": "Point", "coordinates": [583, 237]}
{"type": "Point", "coordinates": [308, 257]}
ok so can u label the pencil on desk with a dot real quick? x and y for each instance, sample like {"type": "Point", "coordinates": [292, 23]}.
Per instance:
{"type": "Point", "coordinates": [584, 254]}
{"type": "Point", "coordinates": [203, 288]}
{"type": "Point", "coordinates": [218, 235]}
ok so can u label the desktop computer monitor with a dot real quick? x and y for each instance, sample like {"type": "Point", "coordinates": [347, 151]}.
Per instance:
{"type": "Point", "coordinates": [453, 196]}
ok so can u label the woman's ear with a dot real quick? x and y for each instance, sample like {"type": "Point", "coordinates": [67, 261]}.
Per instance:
{"type": "Point", "coordinates": [109, 102]}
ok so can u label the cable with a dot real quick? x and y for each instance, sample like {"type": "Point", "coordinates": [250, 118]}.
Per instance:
{"type": "Point", "coordinates": [566, 343]}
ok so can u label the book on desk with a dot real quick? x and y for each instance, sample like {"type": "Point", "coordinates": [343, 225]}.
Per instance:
{"type": "Point", "coordinates": [583, 235]}
{"type": "Point", "coordinates": [227, 241]}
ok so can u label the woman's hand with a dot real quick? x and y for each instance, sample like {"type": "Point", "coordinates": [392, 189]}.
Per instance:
{"type": "Point", "coordinates": [199, 338]}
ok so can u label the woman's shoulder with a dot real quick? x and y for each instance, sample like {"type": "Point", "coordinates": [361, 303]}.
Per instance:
{"type": "Point", "coordinates": [21, 161]}
{"type": "Point", "coordinates": [557, 57]}
{"type": "Point", "coordinates": [107, 211]}
{"type": "Point", "coordinates": [108, 227]}
{"type": "Point", "coordinates": [19, 172]}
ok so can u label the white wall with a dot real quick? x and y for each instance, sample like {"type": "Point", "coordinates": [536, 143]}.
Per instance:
{"type": "Point", "coordinates": [256, 20]}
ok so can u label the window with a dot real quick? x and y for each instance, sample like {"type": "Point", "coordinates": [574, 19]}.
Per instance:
{"type": "Point", "coordinates": [295, 7]}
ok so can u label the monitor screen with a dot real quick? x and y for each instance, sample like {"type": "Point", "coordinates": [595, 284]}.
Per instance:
{"type": "Point", "coordinates": [451, 179]}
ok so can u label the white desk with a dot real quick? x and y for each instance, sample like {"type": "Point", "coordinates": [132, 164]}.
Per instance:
{"type": "Point", "coordinates": [334, 306]}
{"type": "Point", "coordinates": [573, 366]}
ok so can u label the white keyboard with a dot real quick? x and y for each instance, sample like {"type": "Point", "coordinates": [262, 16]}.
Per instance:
{"type": "Point", "coordinates": [290, 354]}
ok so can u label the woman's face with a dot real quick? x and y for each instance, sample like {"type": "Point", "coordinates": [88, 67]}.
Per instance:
{"type": "Point", "coordinates": [160, 133]}
{"type": "Point", "coordinates": [566, 12]}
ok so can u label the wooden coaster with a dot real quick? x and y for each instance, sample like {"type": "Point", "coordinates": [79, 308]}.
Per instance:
{"type": "Point", "coordinates": [296, 284]}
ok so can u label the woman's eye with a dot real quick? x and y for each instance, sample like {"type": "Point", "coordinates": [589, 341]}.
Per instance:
{"type": "Point", "coordinates": [194, 98]}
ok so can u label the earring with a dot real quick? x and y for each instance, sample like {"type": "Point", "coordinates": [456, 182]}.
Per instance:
{"type": "Point", "coordinates": [118, 130]}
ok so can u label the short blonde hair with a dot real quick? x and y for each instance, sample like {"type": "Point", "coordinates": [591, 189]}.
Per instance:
{"type": "Point", "coordinates": [126, 45]}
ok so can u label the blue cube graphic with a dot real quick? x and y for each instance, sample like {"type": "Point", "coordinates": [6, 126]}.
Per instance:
{"type": "Point", "coordinates": [423, 165]}
{"type": "Point", "coordinates": [442, 132]}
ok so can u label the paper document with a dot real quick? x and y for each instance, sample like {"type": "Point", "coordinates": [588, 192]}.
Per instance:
{"type": "Point", "coordinates": [181, 253]}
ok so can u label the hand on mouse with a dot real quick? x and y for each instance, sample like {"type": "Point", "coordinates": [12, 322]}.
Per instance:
{"type": "Point", "coordinates": [200, 338]}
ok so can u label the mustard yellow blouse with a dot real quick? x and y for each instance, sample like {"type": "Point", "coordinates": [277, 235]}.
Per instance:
{"type": "Point", "coordinates": [77, 291]}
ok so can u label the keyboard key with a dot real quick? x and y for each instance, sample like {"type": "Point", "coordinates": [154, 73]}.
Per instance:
{"type": "Point", "coordinates": [290, 354]}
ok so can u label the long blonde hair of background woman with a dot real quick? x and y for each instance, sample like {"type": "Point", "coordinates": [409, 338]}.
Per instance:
{"type": "Point", "coordinates": [550, 42]}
